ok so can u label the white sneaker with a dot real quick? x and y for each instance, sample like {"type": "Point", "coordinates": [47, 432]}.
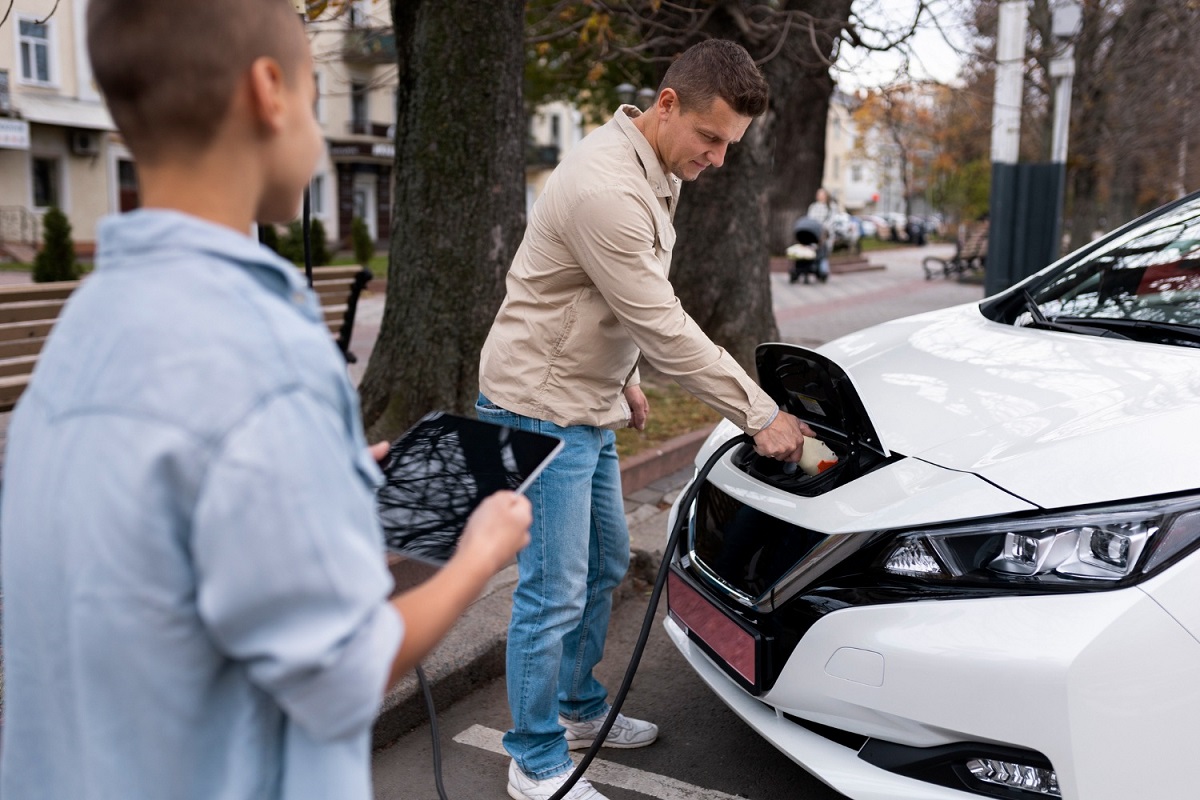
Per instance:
{"type": "Point", "coordinates": [523, 787]}
{"type": "Point", "coordinates": [626, 733]}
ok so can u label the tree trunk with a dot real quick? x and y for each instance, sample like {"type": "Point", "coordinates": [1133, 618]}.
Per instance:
{"type": "Point", "coordinates": [721, 266]}
{"type": "Point", "coordinates": [459, 205]}
{"type": "Point", "coordinates": [801, 103]}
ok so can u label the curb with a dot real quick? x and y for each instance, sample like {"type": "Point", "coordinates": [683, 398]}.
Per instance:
{"type": "Point", "coordinates": [643, 469]}
{"type": "Point", "coordinates": [474, 651]}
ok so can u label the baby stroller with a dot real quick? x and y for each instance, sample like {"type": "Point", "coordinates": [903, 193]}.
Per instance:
{"type": "Point", "coordinates": [809, 254]}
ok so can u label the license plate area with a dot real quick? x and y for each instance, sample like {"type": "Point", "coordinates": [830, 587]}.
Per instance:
{"type": "Point", "coordinates": [735, 645]}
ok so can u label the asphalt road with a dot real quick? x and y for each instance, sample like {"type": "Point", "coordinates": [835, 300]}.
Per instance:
{"type": "Point", "coordinates": [704, 750]}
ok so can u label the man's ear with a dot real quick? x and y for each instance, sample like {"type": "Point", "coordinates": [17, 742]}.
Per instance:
{"type": "Point", "coordinates": [667, 101]}
{"type": "Point", "coordinates": [265, 85]}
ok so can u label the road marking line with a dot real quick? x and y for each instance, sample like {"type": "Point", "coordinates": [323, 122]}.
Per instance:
{"type": "Point", "coordinates": [606, 772]}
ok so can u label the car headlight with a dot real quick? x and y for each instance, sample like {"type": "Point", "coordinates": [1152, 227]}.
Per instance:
{"type": "Point", "coordinates": [1097, 547]}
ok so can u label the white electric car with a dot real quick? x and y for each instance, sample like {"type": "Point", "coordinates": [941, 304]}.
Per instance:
{"type": "Point", "coordinates": [995, 592]}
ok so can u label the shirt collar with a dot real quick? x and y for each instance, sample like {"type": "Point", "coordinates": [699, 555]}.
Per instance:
{"type": "Point", "coordinates": [128, 239]}
{"type": "Point", "coordinates": [663, 185]}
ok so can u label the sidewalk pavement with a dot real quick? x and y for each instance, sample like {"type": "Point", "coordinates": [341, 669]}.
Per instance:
{"type": "Point", "coordinates": [807, 314]}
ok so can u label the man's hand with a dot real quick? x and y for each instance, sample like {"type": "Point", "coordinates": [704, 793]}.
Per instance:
{"type": "Point", "coordinates": [379, 450]}
{"type": "Point", "coordinates": [783, 438]}
{"type": "Point", "coordinates": [639, 407]}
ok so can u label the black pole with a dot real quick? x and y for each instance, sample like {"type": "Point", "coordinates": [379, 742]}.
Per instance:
{"type": "Point", "coordinates": [305, 224]}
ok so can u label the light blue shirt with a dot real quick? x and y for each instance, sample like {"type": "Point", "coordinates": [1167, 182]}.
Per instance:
{"type": "Point", "coordinates": [194, 579]}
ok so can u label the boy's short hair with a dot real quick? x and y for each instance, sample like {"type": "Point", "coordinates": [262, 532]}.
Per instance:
{"type": "Point", "coordinates": [717, 68]}
{"type": "Point", "coordinates": [168, 68]}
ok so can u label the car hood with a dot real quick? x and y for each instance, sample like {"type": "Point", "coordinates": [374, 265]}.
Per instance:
{"type": "Point", "coordinates": [1057, 419]}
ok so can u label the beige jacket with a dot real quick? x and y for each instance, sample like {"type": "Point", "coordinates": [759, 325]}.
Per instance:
{"type": "Point", "coordinates": [588, 293]}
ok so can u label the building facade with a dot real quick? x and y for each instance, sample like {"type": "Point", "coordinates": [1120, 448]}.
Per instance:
{"type": "Point", "coordinates": [859, 171]}
{"type": "Point", "coordinates": [59, 147]}
{"type": "Point", "coordinates": [355, 60]}
{"type": "Point", "coordinates": [56, 138]}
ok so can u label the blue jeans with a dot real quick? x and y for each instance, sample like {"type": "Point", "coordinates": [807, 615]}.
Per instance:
{"type": "Point", "coordinates": [578, 553]}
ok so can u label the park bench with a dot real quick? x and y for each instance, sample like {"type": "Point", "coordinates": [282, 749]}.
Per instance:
{"type": "Point", "coordinates": [28, 312]}
{"type": "Point", "coordinates": [970, 255]}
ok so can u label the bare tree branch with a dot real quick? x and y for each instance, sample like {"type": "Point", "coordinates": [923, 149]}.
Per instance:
{"type": "Point", "coordinates": [48, 16]}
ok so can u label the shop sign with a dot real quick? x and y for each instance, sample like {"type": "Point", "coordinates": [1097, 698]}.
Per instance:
{"type": "Point", "coordinates": [362, 150]}
{"type": "Point", "coordinates": [14, 134]}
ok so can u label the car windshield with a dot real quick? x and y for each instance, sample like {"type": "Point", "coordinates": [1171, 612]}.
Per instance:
{"type": "Point", "coordinates": [1150, 274]}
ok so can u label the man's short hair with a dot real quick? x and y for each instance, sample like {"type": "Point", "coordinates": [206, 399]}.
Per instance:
{"type": "Point", "coordinates": [168, 68]}
{"type": "Point", "coordinates": [717, 68]}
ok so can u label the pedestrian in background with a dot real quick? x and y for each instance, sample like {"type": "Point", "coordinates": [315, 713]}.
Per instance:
{"type": "Point", "coordinates": [587, 295]}
{"type": "Point", "coordinates": [822, 210]}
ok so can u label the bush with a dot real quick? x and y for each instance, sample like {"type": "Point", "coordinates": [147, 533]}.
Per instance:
{"type": "Point", "coordinates": [291, 246]}
{"type": "Point", "coordinates": [56, 260]}
{"type": "Point", "coordinates": [269, 236]}
{"type": "Point", "coordinates": [360, 238]}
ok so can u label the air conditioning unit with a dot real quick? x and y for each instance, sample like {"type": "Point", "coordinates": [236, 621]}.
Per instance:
{"type": "Point", "coordinates": [85, 143]}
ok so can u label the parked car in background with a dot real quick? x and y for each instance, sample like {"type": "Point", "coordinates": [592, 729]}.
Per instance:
{"type": "Point", "coordinates": [914, 231]}
{"type": "Point", "coordinates": [881, 225]}
{"type": "Point", "coordinates": [868, 227]}
{"type": "Point", "coordinates": [896, 225]}
{"type": "Point", "coordinates": [844, 231]}
{"type": "Point", "coordinates": [993, 589]}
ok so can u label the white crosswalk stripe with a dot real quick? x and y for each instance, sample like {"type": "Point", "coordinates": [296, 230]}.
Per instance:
{"type": "Point", "coordinates": [606, 772]}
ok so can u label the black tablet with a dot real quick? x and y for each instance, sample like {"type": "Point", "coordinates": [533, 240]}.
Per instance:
{"type": "Point", "coordinates": [441, 469]}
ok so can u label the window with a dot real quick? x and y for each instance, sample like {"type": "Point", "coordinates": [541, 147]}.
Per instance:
{"type": "Point", "coordinates": [856, 172]}
{"type": "Point", "coordinates": [358, 107]}
{"type": "Point", "coordinates": [317, 104]}
{"type": "Point", "coordinates": [45, 182]}
{"type": "Point", "coordinates": [128, 197]}
{"type": "Point", "coordinates": [34, 44]}
{"type": "Point", "coordinates": [316, 196]}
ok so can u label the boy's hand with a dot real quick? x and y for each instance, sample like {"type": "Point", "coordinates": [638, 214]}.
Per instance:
{"type": "Point", "coordinates": [783, 438]}
{"type": "Point", "coordinates": [497, 529]}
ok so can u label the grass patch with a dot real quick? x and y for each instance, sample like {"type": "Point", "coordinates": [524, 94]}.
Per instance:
{"type": "Point", "coordinates": [870, 243]}
{"type": "Point", "coordinates": [673, 412]}
{"type": "Point", "coordinates": [378, 264]}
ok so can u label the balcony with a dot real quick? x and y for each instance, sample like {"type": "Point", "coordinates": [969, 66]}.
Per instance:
{"type": "Point", "coordinates": [365, 128]}
{"type": "Point", "coordinates": [369, 46]}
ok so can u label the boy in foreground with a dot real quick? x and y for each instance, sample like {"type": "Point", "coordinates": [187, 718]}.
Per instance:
{"type": "Point", "coordinates": [196, 596]}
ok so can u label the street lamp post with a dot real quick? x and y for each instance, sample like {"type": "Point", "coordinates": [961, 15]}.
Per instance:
{"type": "Point", "coordinates": [629, 95]}
{"type": "Point", "coordinates": [1065, 26]}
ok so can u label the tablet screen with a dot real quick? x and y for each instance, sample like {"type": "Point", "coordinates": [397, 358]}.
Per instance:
{"type": "Point", "coordinates": [440, 470]}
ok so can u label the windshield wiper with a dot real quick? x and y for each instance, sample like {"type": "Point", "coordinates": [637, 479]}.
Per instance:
{"type": "Point", "coordinates": [1042, 322]}
{"type": "Point", "coordinates": [1165, 332]}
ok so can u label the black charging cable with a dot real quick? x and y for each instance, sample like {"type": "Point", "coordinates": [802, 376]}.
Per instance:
{"type": "Point", "coordinates": [635, 660]}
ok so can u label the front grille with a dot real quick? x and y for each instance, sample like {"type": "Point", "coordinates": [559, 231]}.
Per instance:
{"type": "Point", "coordinates": [743, 547]}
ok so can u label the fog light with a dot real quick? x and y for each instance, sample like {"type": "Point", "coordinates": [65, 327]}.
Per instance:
{"type": "Point", "coordinates": [1035, 780]}
{"type": "Point", "coordinates": [913, 558]}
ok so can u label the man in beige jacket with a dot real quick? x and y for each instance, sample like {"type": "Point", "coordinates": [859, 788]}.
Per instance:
{"type": "Point", "coordinates": [587, 295]}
